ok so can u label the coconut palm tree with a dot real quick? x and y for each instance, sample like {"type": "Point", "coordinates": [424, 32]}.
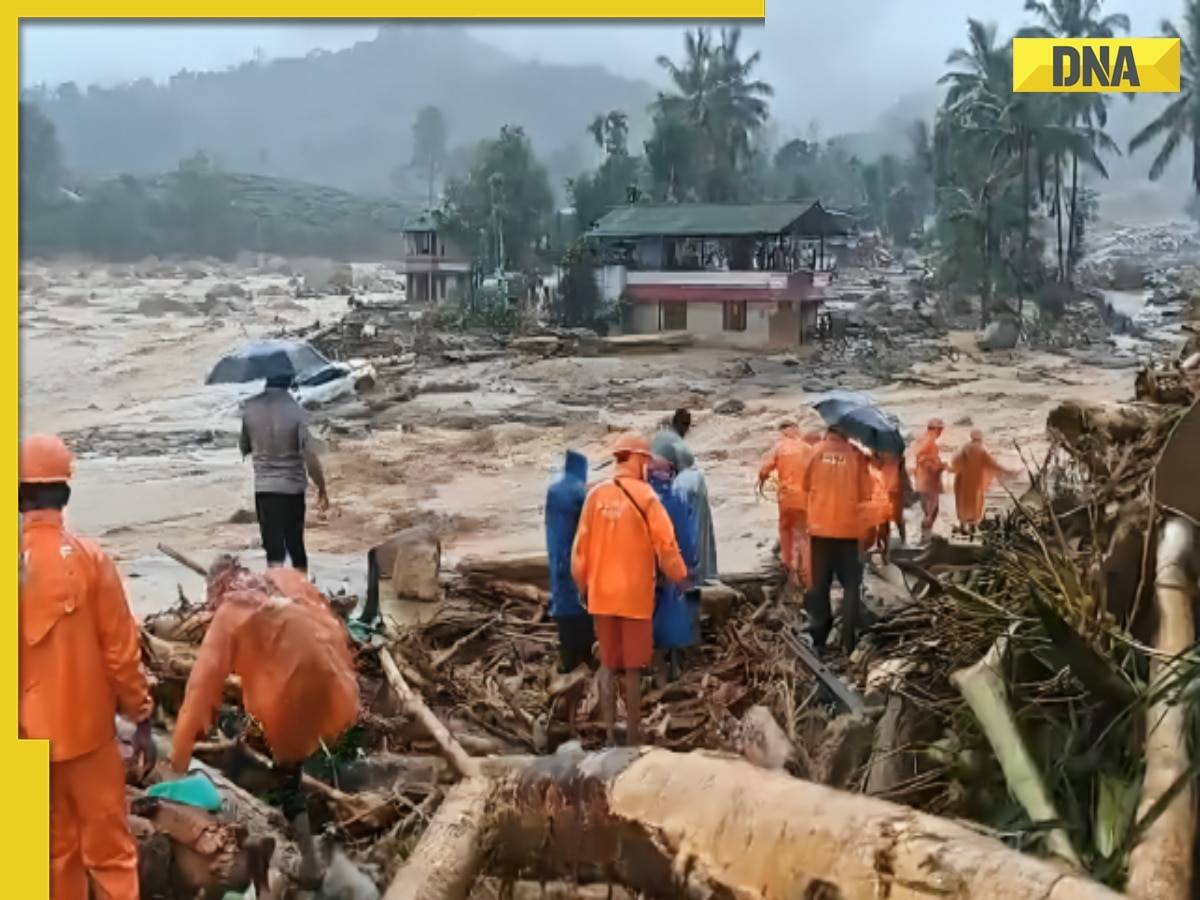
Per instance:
{"type": "Point", "coordinates": [717, 95]}
{"type": "Point", "coordinates": [1076, 19]}
{"type": "Point", "coordinates": [1181, 118]}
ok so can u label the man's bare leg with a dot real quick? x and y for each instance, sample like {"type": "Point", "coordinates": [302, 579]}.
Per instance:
{"type": "Point", "coordinates": [633, 707]}
{"type": "Point", "coordinates": [608, 704]}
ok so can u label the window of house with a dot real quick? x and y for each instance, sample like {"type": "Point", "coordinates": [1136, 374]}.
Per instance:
{"type": "Point", "coordinates": [672, 316]}
{"type": "Point", "coordinates": [734, 315]}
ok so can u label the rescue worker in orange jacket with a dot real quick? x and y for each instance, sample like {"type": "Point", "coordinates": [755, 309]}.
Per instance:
{"type": "Point", "coordinates": [624, 537]}
{"type": "Point", "coordinates": [278, 633]}
{"type": "Point", "coordinates": [928, 468]}
{"type": "Point", "coordinates": [80, 664]}
{"type": "Point", "coordinates": [787, 460]}
{"type": "Point", "coordinates": [840, 492]}
{"type": "Point", "coordinates": [893, 486]}
{"type": "Point", "coordinates": [974, 471]}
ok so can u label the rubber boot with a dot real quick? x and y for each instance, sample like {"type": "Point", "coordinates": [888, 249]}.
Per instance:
{"type": "Point", "coordinates": [310, 875]}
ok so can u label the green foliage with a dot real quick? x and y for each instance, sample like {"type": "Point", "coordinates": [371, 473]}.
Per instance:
{"type": "Point", "coordinates": [502, 204]}
{"type": "Point", "coordinates": [720, 107]}
{"type": "Point", "coordinates": [580, 303]}
{"type": "Point", "coordinates": [41, 169]}
{"type": "Point", "coordinates": [615, 182]}
{"type": "Point", "coordinates": [1181, 118]}
{"type": "Point", "coordinates": [200, 210]}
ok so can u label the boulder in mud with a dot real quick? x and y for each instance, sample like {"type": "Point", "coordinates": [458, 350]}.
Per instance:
{"type": "Point", "coordinates": [161, 305]}
{"type": "Point", "coordinates": [414, 557]}
{"type": "Point", "coordinates": [194, 271]}
{"type": "Point", "coordinates": [1128, 274]}
{"type": "Point", "coordinates": [762, 741]}
{"type": "Point", "coordinates": [224, 291]}
{"type": "Point", "coordinates": [1001, 334]}
{"type": "Point", "coordinates": [730, 407]}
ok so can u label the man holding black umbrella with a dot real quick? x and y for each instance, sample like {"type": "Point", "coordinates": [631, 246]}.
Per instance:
{"type": "Point", "coordinates": [275, 434]}
{"type": "Point", "coordinates": [838, 484]}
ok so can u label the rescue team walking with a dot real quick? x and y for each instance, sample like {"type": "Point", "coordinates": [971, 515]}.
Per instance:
{"type": "Point", "coordinates": [628, 555]}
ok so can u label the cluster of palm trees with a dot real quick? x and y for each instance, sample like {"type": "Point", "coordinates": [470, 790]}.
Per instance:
{"type": "Point", "coordinates": [721, 105]}
{"type": "Point", "coordinates": [1001, 157]}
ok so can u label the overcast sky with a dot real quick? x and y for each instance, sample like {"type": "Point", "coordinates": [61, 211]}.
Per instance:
{"type": "Point", "coordinates": [834, 59]}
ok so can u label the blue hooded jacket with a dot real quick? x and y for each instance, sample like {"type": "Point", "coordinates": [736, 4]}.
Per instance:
{"type": "Point", "coordinates": [674, 622]}
{"type": "Point", "coordinates": [564, 504]}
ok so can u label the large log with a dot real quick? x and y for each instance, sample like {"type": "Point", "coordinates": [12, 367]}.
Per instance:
{"type": "Point", "coordinates": [1160, 865]}
{"type": "Point", "coordinates": [668, 824]}
{"type": "Point", "coordinates": [446, 860]}
{"type": "Point", "coordinates": [533, 570]}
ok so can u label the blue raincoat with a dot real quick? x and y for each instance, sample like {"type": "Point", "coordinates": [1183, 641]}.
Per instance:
{"type": "Point", "coordinates": [564, 503]}
{"type": "Point", "coordinates": [675, 624]}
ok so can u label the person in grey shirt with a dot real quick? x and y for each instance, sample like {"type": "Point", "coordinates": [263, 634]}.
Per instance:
{"type": "Point", "coordinates": [275, 435]}
{"type": "Point", "coordinates": [672, 432]}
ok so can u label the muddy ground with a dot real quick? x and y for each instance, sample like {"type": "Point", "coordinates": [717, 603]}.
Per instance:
{"type": "Point", "coordinates": [115, 358]}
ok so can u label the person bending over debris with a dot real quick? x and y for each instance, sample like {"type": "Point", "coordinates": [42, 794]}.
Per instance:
{"type": "Point", "coordinates": [80, 662]}
{"type": "Point", "coordinates": [623, 532]}
{"type": "Point", "coordinates": [787, 460]}
{"type": "Point", "coordinates": [839, 486]}
{"type": "Point", "coordinates": [564, 503]}
{"type": "Point", "coordinates": [928, 466]}
{"type": "Point", "coordinates": [275, 434]}
{"type": "Point", "coordinates": [675, 626]}
{"type": "Point", "coordinates": [672, 432]}
{"type": "Point", "coordinates": [974, 471]}
{"type": "Point", "coordinates": [279, 635]}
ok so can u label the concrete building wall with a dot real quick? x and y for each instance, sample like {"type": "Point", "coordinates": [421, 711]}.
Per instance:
{"type": "Point", "coordinates": [768, 325]}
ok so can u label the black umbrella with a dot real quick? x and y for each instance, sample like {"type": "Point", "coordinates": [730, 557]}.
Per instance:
{"type": "Point", "coordinates": [268, 359]}
{"type": "Point", "coordinates": [856, 416]}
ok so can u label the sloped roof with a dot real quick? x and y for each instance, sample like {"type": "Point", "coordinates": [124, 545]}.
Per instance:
{"type": "Point", "coordinates": [715, 220]}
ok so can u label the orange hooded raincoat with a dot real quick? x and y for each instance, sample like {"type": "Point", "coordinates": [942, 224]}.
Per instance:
{"type": "Point", "coordinates": [622, 541]}
{"type": "Point", "coordinates": [788, 459]}
{"type": "Point", "coordinates": [974, 471]}
{"type": "Point", "coordinates": [279, 635]}
{"type": "Point", "coordinates": [79, 664]}
{"type": "Point", "coordinates": [840, 490]}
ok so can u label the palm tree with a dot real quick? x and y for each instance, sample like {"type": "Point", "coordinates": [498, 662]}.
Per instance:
{"type": "Point", "coordinates": [716, 94]}
{"type": "Point", "coordinates": [1076, 19]}
{"type": "Point", "coordinates": [1181, 118]}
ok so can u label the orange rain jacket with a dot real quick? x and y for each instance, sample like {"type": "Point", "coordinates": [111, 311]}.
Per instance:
{"type": "Point", "coordinates": [620, 545]}
{"type": "Point", "coordinates": [840, 490]}
{"type": "Point", "coordinates": [974, 471]}
{"type": "Point", "coordinates": [80, 659]}
{"type": "Point", "coordinates": [293, 656]}
{"type": "Point", "coordinates": [788, 459]}
{"type": "Point", "coordinates": [928, 465]}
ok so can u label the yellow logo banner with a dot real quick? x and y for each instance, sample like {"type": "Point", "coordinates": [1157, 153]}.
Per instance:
{"type": "Point", "coordinates": [1096, 65]}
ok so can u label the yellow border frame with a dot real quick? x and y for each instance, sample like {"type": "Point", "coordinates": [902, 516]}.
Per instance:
{"type": "Point", "coordinates": [25, 828]}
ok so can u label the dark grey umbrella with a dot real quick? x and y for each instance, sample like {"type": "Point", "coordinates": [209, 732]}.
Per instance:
{"type": "Point", "coordinates": [856, 416]}
{"type": "Point", "coordinates": [268, 359]}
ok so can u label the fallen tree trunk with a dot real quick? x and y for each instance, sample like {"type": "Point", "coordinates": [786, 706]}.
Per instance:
{"type": "Point", "coordinates": [446, 860]}
{"type": "Point", "coordinates": [982, 687]}
{"type": "Point", "coordinates": [667, 824]}
{"type": "Point", "coordinates": [1160, 865]}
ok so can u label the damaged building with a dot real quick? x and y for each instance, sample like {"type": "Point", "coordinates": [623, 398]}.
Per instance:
{"type": "Point", "coordinates": [750, 274]}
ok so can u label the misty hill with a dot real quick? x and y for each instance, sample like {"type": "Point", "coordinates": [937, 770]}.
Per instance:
{"type": "Point", "coordinates": [197, 210]}
{"type": "Point", "coordinates": [342, 118]}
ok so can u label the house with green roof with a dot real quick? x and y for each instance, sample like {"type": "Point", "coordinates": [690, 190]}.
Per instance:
{"type": "Point", "coordinates": [743, 274]}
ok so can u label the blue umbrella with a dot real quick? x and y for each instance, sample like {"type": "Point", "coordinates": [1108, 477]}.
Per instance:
{"type": "Point", "coordinates": [268, 359]}
{"type": "Point", "coordinates": [856, 416]}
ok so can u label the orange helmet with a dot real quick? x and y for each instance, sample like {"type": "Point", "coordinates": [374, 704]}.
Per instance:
{"type": "Point", "coordinates": [937, 425]}
{"type": "Point", "coordinates": [976, 434]}
{"type": "Point", "coordinates": [44, 459]}
{"type": "Point", "coordinates": [631, 442]}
